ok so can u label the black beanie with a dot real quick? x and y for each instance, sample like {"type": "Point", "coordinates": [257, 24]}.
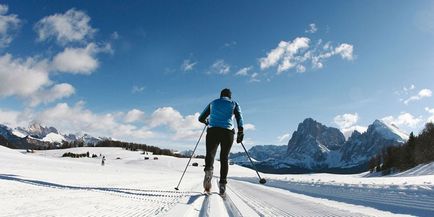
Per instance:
{"type": "Point", "coordinates": [226, 93]}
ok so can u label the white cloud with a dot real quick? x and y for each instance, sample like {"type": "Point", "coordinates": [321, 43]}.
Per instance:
{"type": "Point", "coordinates": [283, 138]}
{"type": "Point", "coordinates": [79, 60]}
{"type": "Point", "coordinates": [72, 26]}
{"type": "Point", "coordinates": [431, 111]}
{"type": "Point", "coordinates": [244, 71]}
{"type": "Point", "coordinates": [404, 119]}
{"type": "Point", "coordinates": [134, 115]}
{"type": "Point", "coordinates": [56, 92]}
{"type": "Point", "coordinates": [301, 68]}
{"type": "Point", "coordinates": [249, 127]}
{"type": "Point", "coordinates": [411, 87]}
{"type": "Point", "coordinates": [185, 128]}
{"type": "Point", "coordinates": [9, 24]}
{"type": "Point", "coordinates": [165, 116]}
{"type": "Point", "coordinates": [188, 65]}
{"type": "Point", "coordinates": [220, 67]}
{"type": "Point", "coordinates": [347, 123]}
{"type": "Point", "coordinates": [346, 120]}
{"type": "Point", "coordinates": [424, 93]}
{"type": "Point", "coordinates": [289, 55]}
{"type": "Point", "coordinates": [22, 77]}
{"type": "Point", "coordinates": [405, 91]}
{"type": "Point", "coordinates": [345, 50]}
{"type": "Point", "coordinates": [284, 53]}
{"type": "Point", "coordinates": [312, 28]}
{"type": "Point", "coordinates": [348, 131]}
{"type": "Point", "coordinates": [138, 89]}
{"type": "Point", "coordinates": [79, 119]}
{"type": "Point", "coordinates": [254, 77]}
{"type": "Point", "coordinates": [9, 118]}
{"type": "Point", "coordinates": [29, 78]}
{"type": "Point", "coordinates": [164, 126]}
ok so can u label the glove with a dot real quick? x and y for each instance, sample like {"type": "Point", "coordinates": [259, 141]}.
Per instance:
{"type": "Point", "coordinates": [240, 136]}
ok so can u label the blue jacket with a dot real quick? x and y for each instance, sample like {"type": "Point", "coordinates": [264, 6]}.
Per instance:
{"type": "Point", "coordinates": [220, 112]}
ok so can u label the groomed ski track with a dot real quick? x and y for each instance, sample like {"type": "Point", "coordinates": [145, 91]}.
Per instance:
{"type": "Point", "coordinates": [247, 199]}
{"type": "Point", "coordinates": [44, 184]}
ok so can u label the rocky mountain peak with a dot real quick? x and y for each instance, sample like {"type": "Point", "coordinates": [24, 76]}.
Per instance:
{"type": "Point", "coordinates": [388, 131]}
{"type": "Point", "coordinates": [313, 140]}
{"type": "Point", "coordinates": [310, 129]}
{"type": "Point", "coordinates": [39, 131]}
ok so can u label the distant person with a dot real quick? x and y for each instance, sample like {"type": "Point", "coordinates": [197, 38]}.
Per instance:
{"type": "Point", "coordinates": [103, 161]}
{"type": "Point", "coordinates": [218, 115]}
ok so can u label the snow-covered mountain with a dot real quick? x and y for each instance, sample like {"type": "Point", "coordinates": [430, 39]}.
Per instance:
{"type": "Point", "coordinates": [361, 147]}
{"type": "Point", "coordinates": [38, 136]}
{"type": "Point", "coordinates": [36, 130]}
{"type": "Point", "coordinates": [89, 139]}
{"type": "Point", "coordinates": [312, 143]}
{"type": "Point", "coordinates": [315, 147]}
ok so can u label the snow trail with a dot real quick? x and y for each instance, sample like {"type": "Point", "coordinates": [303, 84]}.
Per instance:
{"type": "Point", "coordinates": [393, 198]}
{"type": "Point", "coordinates": [45, 184]}
{"type": "Point", "coordinates": [274, 203]}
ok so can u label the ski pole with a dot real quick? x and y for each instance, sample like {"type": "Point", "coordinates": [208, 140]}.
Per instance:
{"type": "Point", "coordinates": [261, 180]}
{"type": "Point", "coordinates": [177, 187]}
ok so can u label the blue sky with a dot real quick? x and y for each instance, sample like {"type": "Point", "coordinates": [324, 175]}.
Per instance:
{"type": "Point", "coordinates": [142, 70]}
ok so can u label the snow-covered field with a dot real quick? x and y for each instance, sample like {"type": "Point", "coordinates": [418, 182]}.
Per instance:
{"type": "Point", "coordinates": [45, 184]}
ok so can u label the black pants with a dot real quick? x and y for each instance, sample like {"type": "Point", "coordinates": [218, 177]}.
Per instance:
{"type": "Point", "coordinates": [218, 136]}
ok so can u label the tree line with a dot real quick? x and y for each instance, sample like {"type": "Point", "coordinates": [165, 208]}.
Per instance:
{"type": "Point", "coordinates": [417, 150]}
{"type": "Point", "coordinates": [135, 147]}
{"type": "Point", "coordinates": [104, 143]}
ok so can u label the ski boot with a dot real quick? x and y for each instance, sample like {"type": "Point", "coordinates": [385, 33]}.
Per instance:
{"type": "Point", "coordinates": [222, 189]}
{"type": "Point", "coordinates": [207, 180]}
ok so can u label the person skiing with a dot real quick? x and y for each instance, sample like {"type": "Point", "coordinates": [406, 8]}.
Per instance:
{"type": "Point", "coordinates": [103, 161]}
{"type": "Point", "coordinates": [218, 116]}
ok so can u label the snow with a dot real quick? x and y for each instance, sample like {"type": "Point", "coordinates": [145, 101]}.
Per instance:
{"type": "Point", "coordinates": [390, 131]}
{"type": "Point", "coordinates": [53, 137]}
{"type": "Point", "coordinates": [18, 133]}
{"type": "Point", "coordinates": [45, 184]}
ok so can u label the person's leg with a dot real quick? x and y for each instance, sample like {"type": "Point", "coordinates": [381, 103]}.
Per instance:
{"type": "Point", "coordinates": [211, 148]}
{"type": "Point", "coordinates": [227, 139]}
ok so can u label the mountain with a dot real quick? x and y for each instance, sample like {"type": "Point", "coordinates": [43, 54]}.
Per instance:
{"type": "Point", "coordinates": [89, 139]}
{"type": "Point", "coordinates": [8, 134]}
{"type": "Point", "coordinates": [37, 136]}
{"type": "Point", "coordinates": [361, 147]}
{"type": "Point", "coordinates": [312, 143]}
{"type": "Point", "coordinates": [315, 147]}
{"type": "Point", "coordinates": [38, 131]}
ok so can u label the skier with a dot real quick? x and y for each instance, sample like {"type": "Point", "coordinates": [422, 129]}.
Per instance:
{"type": "Point", "coordinates": [220, 132]}
{"type": "Point", "coordinates": [103, 161]}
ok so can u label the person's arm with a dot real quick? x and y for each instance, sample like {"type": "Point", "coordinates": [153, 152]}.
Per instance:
{"type": "Point", "coordinates": [239, 117]}
{"type": "Point", "coordinates": [205, 114]}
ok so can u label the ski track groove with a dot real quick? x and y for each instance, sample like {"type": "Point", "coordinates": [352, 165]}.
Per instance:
{"type": "Point", "coordinates": [394, 198]}
{"type": "Point", "coordinates": [148, 202]}
{"type": "Point", "coordinates": [231, 209]}
{"type": "Point", "coordinates": [294, 207]}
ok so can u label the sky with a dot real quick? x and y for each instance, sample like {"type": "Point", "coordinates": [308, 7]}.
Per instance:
{"type": "Point", "coordinates": [142, 71]}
